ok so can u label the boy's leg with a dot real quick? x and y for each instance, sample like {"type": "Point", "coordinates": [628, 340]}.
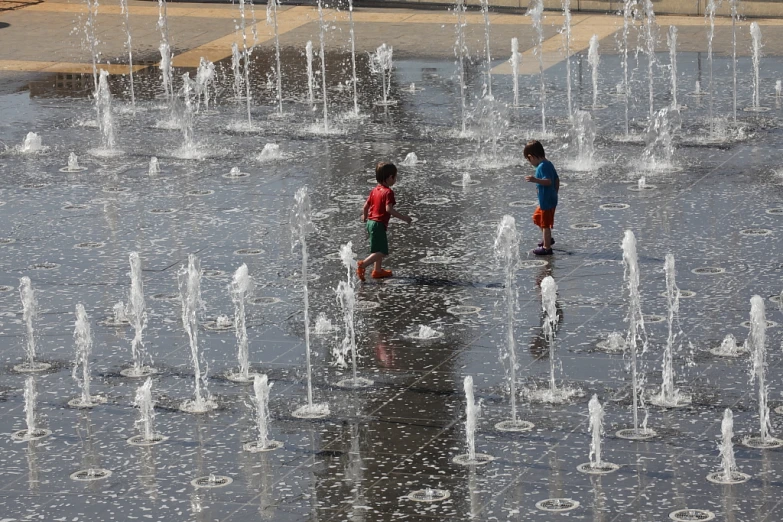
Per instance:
{"type": "Point", "coordinates": [378, 261]}
{"type": "Point", "coordinates": [547, 237]}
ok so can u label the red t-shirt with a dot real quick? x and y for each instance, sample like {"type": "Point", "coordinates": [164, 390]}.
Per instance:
{"type": "Point", "coordinates": [379, 198]}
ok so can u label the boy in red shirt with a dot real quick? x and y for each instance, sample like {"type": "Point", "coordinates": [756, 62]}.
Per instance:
{"type": "Point", "coordinates": [377, 211]}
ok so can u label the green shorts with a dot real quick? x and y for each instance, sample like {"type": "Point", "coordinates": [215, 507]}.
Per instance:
{"type": "Point", "coordinates": [378, 241]}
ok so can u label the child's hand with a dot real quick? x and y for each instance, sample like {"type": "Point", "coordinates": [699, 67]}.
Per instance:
{"type": "Point", "coordinates": [408, 220]}
{"type": "Point", "coordinates": [363, 218]}
{"type": "Point", "coordinates": [531, 179]}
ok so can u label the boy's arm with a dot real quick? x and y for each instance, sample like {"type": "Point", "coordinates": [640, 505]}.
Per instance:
{"type": "Point", "coordinates": [557, 184]}
{"type": "Point", "coordinates": [394, 213]}
{"type": "Point", "coordinates": [365, 210]}
{"type": "Point", "coordinates": [540, 181]}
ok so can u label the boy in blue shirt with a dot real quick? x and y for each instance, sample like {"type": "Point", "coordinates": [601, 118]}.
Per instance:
{"type": "Point", "coordinates": [548, 186]}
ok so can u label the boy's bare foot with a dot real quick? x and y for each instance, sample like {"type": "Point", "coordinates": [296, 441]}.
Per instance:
{"type": "Point", "coordinates": [360, 270]}
{"type": "Point", "coordinates": [380, 274]}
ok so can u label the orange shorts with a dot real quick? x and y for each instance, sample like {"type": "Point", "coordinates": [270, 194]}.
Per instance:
{"type": "Point", "coordinates": [544, 218]}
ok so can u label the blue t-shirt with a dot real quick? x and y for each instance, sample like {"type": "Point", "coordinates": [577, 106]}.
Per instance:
{"type": "Point", "coordinates": [547, 196]}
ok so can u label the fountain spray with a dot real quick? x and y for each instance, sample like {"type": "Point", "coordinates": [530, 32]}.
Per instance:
{"type": "Point", "coordinates": [593, 58]}
{"type": "Point", "coordinates": [381, 63]}
{"type": "Point", "coordinates": [241, 287]}
{"type": "Point", "coordinates": [165, 50]}
{"type": "Point", "coordinates": [636, 333]}
{"type": "Point", "coordinates": [322, 55]}
{"type": "Point", "coordinates": [651, 36]}
{"type": "Point", "coordinates": [103, 108]}
{"type": "Point", "coordinates": [186, 123]}
{"type": "Point", "coordinates": [83, 338]}
{"type": "Point", "coordinates": [460, 50]}
{"type": "Point", "coordinates": [709, 12]}
{"type": "Point", "coordinates": [734, 17]}
{"type": "Point", "coordinates": [755, 33]}
{"type": "Point", "coordinates": [507, 251]}
{"type": "Point", "coordinates": [301, 225]}
{"type": "Point", "coordinates": [246, 51]}
{"type": "Point", "coordinates": [566, 31]}
{"type": "Point", "coordinates": [310, 80]}
{"type": "Point", "coordinates": [261, 388]}
{"type": "Point", "coordinates": [628, 15]}
{"type": "Point", "coordinates": [672, 41]}
{"type": "Point", "coordinates": [536, 12]}
{"type": "Point", "coordinates": [32, 432]}
{"type": "Point", "coordinates": [189, 280]}
{"type": "Point", "coordinates": [353, 59]}
{"type": "Point", "coordinates": [136, 313]}
{"type": "Point", "coordinates": [485, 12]}
{"type": "Point", "coordinates": [472, 413]}
{"type": "Point", "coordinates": [515, 60]}
{"type": "Point", "coordinates": [271, 18]}
{"type": "Point", "coordinates": [92, 39]}
{"type": "Point", "coordinates": [596, 427]}
{"type": "Point", "coordinates": [346, 298]}
{"type": "Point", "coordinates": [729, 473]}
{"type": "Point", "coordinates": [670, 396]}
{"type": "Point", "coordinates": [205, 75]}
{"type": "Point", "coordinates": [146, 404]}
{"type": "Point", "coordinates": [236, 69]}
{"type": "Point", "coordinates": [129, 44]}
{"type": "Point", "coordinates": [757, 342]}
{"type": "Point", "coordinates": [548, 303]}
{"type": "Point", "coordinates": [29, 314]}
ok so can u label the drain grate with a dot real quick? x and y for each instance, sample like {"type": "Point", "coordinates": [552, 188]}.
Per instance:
{"type": "Point", "coordinates": [532, 263]}
{"type": "Point", "coordinates": [634, 434]}
{"type": "Point", "coordinates": [367, 305]}
{"type": "Point", "coordinates": [735, 478]}
{"type": "Point", "coordinates": [652, 318]}
{"type": "Point", "coordinates": [478, 460]}
{"type": "Point", "coordinates": [44, 266]}
{"type": "Point", "coordinates": [139, 440]}
{"type": "Point", "coordinates": [75, 206]}
{"type": "Point", "coordinates": [603, 468]}
{"type": "Point", "coordinates": [463, 310]}
{"type": "Point", "coordinates": [213, 273]}
{"type": "Point", "coordinates": [428, 495]}
{"type": "Point", "coordinates": [4, 288]}
{"type": "Point", "coordinates": [31, 367]}
{"type": "Point", "coordinates": [90, 244]}
{"type": "Point", "coordinates": [684, 294]}
{"type": "Point", "coordinates": [248, 251]}
{"type": "Point", "coordinates": [708, 270]}
{"type": "Point", "coordinates": [6, 240]}
{"type": "Point", "coordinates": [614, 206]}
{"type": "Point", "coordinates": [163, 210]}
{"type": "Point", "coordinates": [264, 300]}
{"type": "Point", "coordinates": [88, 475]}
{"type": "Point", "coordinates": [775, 211]}
{"type": "Point", "coordinates": [522, 204]}
{"type": "Point", "coordinates": [692, 515]}
{"type": "Point", "coordinates": [770, 324]}
{"type": "Point", "coordinates": [557, 504]}
{"type": "Point", "coordinates": [25, 435]}
{"type": "Point", "coordinates": [212, 481]}
{"type": "Point", "coordinates": [759, 443]}
{"type": "Point", "coordinates": [755, 232]}
{"type": "Point", "coordinates": [33, 185]}
{"type": "Point", "coordinates": [514, 425]}
{"type": "Point", "coordinates": [116, 189]}
{"type": "Point", "coordinates": [585, 226]}
{"type": "Point", "coordinates": [200, 192]}
{"type": "Point", "coordinates": [636, 188]}
{"type": "Point", "coordinates": [256, 447]}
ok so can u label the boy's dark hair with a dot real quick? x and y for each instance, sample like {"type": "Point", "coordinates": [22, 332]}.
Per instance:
{"type": "Point", "coordinates": [534, 148]}
{"type": "Point", "coordinates": [384, 171]}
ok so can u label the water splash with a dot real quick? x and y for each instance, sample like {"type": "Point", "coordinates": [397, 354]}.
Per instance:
{"type": "Point", "coordinates": [29, 314]}
{"type": "Point", "coordinates": [270, 152]}
{"type": "Point", "coordinates": [411, 160]}
{"type": "Point", "coordinates": [658, 153]}
{"type": "Point", "coordinates": [145, 423]}
{"type": "Point", "coordinates": [301, 225]}
{"type": "Point", "coordinates": [136, 314]}
{"type": "Point", "coordinates": [189, 280]}
{"type": "Point", "coordinates": [154, 167]}
{"type": "Point", "coordinates": [381, 63]}
{"type": "Point", "coordinates": [757, 342]}
{"type": "Point", "coordinates": [241, 287]}
{"type": "Point", "coordinates": [32, 143]}
{"type": "Point", "coordinates": [582, 137]}
{"type": "Point", "coordinates": [261, 389]}
{"type": "Point", "coordinates": [593, 59]}
{"type": "Point", "coordinates": [205, 76]}
{"type": "Point", "coordinates": [323, 325]}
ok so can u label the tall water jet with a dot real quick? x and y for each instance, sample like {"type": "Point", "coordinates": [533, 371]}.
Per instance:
{"type": "Point", "coordinates": [165, 50]}
{"type": "Point", "coordinates": [729, 473]}
{"type": "Point", "coordinates": [472, 412]}
{"type": "Point", "coordinates": [507, 252]}
{"type": "Point", "coordinates": [582, 137]}
{"type": "Point", "coordinates": [593, 59]}
{"type": "Point", "coordinates": [460, 50]}
{"type": "Point", "coordinates": [658, 154]}
{"type": "Point", "coordinates": [485, 12]}
{"type": "Point", "coordinates": [246, 52]}
{"type": "Point", "coordinates": [241, 287]}
{"type": "Point", "coordinates": [129, 45]}
{"type": "Point", "coordinates": [515, 60]}
{"type": "Point", "coordinates": [205, 76]}
{"type": "Point", "coordinates": [322, 55]}
{"type": "Point", "coordinates": [536, 11]}
{"type": "Point", "coordinates": [29, 314]}
{"type": "Point", "coordinates": [236, 69]}
{"type": "Point", "coordinates": [261, 388]}
{"type": "Point", "coordinates": [353, 59]}
{"type": "Point", "coordinates": [628, 16]}
{"type": "Point", "coordinates": [381, 63]}
{"type": "Point", "coordinates": [189, 281]}
{"type": "Point", "coordinates": [670, 396]}
{"type": "Point", "coordinates": [346, 298]}
{"type": "Point", "coordinates": [709, 12]}
{"type": "Point", "coordinates": [734, 17]}
{"type": "Point", "coordinates": [144, 402]}
{"type": "Point", "coordinates": [755, 33]}
{"type": "Point", "coordinates": [566, 31]}
{"type": "Point", "coordinates": [301, 225]}
{"type": "Point", "coordinates": [310, 79]}
{"type": "Point", "coordinates": [103, 108]}
{"type": "Point", "coordinates": [671, 39]}
{"type": "Point", "coordinates": [186, 122]}
{"type": "Point", "coordinates": [136, 313]}
{"type": "Point", "coordinates": [83, 338]}
{"type": "Point", "coordinates": [651, 36]}
{"type": "Point", "coordinates": [92, 39]}
{"type": "Point", "coordinates": [271, 18]}
{"type": "Point", "coordinates": [636, 334]}
{"type": "Point", "coordinates": [32, 432]}
{"type": "Point", "coordinates": [597, 465]}
{"type": "Point", "coordinates": [757, 342]}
